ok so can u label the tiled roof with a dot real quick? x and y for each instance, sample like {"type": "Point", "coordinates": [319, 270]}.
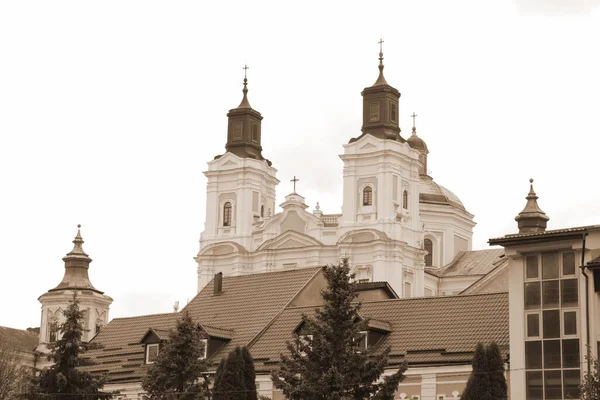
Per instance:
{"type": "Point", "coordinates": [425, 331]}
{"type": "Point", "coordinates": [365, 286]}
{"type": "Point", "coordinates": [19, 339]}
{"type": "Point", "coordinates": [245, 306]}
{"type": "Point", "coordinates": [122, 355]}
{"type": "Point", "coordinates": [541, 235]}
{"type": "Point", "coordinates": [477, 262]}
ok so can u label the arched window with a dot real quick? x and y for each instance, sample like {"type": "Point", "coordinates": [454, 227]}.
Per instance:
{"type": "Point", "coordinates": [227, 214]}
{"type": "Point", "coordinates": [429, 255]}
{"type": "Point", "coordinates": [52, 331]}
{"type": "Point", "coordinates": [368, 196]}
{"type": "Point", "coordinates": [262, 211]}
{"type": "Point", "coordinates": [405, 200]}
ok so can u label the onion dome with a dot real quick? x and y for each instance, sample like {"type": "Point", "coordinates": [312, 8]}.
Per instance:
{"type": "Point", "coordinates": [77, 264]}
{"type": "Point", "coordinates": [532, 219]}
{"type": "Point", "coordinates": [416, 142]}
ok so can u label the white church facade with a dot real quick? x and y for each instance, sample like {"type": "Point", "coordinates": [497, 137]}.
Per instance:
{"type": "Point", "coordinates": [396, 221]}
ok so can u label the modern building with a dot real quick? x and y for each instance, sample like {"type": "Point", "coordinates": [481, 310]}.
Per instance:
{"type": "Point", "coordinates": [553, 281]}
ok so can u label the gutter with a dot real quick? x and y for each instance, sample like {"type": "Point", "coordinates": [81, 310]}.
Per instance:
{"type": "Point", "coordinates": [587, 302]}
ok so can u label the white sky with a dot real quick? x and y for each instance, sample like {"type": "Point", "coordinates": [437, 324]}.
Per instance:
{"type": "Point", "coordinates": [109, 111]}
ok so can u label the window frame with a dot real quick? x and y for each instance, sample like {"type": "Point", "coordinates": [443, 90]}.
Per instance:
{"type": "Point", "coordinates": [147, 353]}
{"type": "Point", "coordinates": [367, 196]}
{"type": "Point", "coordinates": [227, 217]}
{"type": "Point", "coordinates": [429, 253]}
{"type": "Point", "coordinates": [205, 355]}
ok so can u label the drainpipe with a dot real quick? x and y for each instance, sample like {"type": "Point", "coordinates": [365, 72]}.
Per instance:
{"type": "Point", "coordinates": [587, 302]}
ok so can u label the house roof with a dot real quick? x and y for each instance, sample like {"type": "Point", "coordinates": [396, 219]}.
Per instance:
{"type": "Point", "coordinates": [366, 286]}
{"type": "Point", "coordinates": [425, 331]}
{"type": "Point", "coordinates": [476, 262]}
{"type": "Point", "coordinates": [555, 234]}
{"type": "Point", "coordinates": [245, 306]}
{"type": "Point", "coordinates": [19, 339]}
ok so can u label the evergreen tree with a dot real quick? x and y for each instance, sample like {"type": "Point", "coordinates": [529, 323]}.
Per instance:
{"type": "Point", "coordinates": [177, 372]}
{"type": "Point", "coordinates": [325, 364]}
{"type": "Point", "coordinates": [478, 385]}
{"type": "Point", "coordinates": [63, 380]}
{"type": "Point", "coordinates": [235, 377]}
{"type": "Point", "coordinates": [249, 374]}
{"type": "Point", "coordinates": [498, 387]}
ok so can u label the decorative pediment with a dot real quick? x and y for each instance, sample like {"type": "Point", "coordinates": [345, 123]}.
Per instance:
{"type": "Point", "coordinates": [293, 222]}
{"type": "Point", "coordinates": [290, 240]}
{"type": "Point", "coordinates": [229, 164]}
{"type": "Point", "coordinates": [222, 249]}
{"type": "Point", "coordinates": [362, 236]}
{"type": "Point", "coordinates": [368, 146]}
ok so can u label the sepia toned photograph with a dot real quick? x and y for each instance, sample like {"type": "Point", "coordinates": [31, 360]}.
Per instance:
{"type": "Point", "coordinates": [262, 200]}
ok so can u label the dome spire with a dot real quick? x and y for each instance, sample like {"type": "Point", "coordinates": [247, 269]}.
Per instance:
{"type": "Point", "coordinates": [532, 219]}
{"type": "Point", "coordinates": [414, 129]}
{"type": "Point", "coordinates": [380, 80]}
{"type": "Point", "coordinates": [245, 103]}
{"type": "Point", "coordinates": [77, 263]}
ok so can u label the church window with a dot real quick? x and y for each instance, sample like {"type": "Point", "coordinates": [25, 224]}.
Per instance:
{"type": "Point", "coordinates": [405, 200]}
{"type": "Point", "coordinates": [227, 214]}
{"type": "Point", "coordinates": [52, 331]}
{"type": "Point", "coordinates": [374, 111]}
{"type": "Point", "coordinates": [429, 250]}
{"type": "Point", "coordinates": [151, 353]}
{"type": "Point", "coordinates": [255, 133]}
{"type": "Point", "coordinates": [368, 196]}
{"type": "Point", "coordinates": [98, 327]}
{"type": "Point", "coordinates": [262, 211]}
{"type": "Point", "coordinates": [393, 112]}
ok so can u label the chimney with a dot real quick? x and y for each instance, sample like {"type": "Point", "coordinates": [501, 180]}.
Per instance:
{"type": "Point", "coordinates": [218, 284]}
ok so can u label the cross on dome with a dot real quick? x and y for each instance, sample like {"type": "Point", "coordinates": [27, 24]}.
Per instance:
{"type": "Point", "coordinates": [294, 181]}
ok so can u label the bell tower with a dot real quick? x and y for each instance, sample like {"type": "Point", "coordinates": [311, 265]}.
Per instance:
{"type": "Point", "coordinates": [380, 107]}
{"type": "Point", "coordinates": [241, 183]}
{"type": "Point", "coordinates": [93, 302]}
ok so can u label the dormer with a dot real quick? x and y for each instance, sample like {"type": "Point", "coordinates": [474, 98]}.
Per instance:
{"type": "Point", "coordinates": [152, 341]}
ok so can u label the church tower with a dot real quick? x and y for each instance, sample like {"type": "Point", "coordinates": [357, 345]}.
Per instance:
{"type": "Point", "coordinates": [241, 185]}
{"type": "Point", "coordinates": [381, 171]}
{"type": "Point", "coordinates": [93, 302]}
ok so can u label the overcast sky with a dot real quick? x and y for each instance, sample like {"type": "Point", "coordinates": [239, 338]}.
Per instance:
{"type": "Point", "coordinates": [109, 111]}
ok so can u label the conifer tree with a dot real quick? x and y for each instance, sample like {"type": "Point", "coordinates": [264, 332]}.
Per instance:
{"type": "Point", "coordinates": [177, 372]}
{"type": "Point", "coordinates": [478, 385]}
{"type": "Point", "coordinates": [249, 374]}
{"type": "Point", "coordinates": [235, 378]}
{"type": "Point", "coordinates": [63, 380]}
{"type": "Point", "coordinates": [498, 387]}
{"type": "Point", "coordinates": [324, 363]}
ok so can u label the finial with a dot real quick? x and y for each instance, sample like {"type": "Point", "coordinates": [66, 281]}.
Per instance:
{"type": "Point", "coordinates": [318, 207]}
{"type": "Point", "coordinates": [294, 181]}
{"type": "Point", "coordinates": [531, 191]}
{"type": "Point", "coordinates": [380, 79]}
{"type": "Point", "coordinates": [414, 129]}
{"type": "Point", "coordinates": [245, 103]}
{"type": "Point", "coordinates": [532, 219]}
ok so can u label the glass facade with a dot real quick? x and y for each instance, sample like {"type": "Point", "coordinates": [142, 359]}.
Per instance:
{"type": "Point", "coordinates": [552, 346]}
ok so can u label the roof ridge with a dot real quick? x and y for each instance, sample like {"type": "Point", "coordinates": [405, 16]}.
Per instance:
{"type": "Point", "coordinates": [146, 315]}
{"type": "Point", "coordinates": [434, 297]}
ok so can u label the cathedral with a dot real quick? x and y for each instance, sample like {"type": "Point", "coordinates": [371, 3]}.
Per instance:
{"type": "Point", "coordinates": [397, 224]}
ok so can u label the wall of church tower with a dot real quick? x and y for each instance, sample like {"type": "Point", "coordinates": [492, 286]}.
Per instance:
{"type": "Point", "coordinates": [240, 194]}
{"type": "Point", "coordinates": [381, 185]}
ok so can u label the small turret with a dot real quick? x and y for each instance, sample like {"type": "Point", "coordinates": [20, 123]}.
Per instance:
{"type": "Point", "coordinates": [532, 219]}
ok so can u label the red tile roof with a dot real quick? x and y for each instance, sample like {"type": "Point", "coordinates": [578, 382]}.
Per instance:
{"type": "Point", "coordinates": [19, 339]}
{"type": "Point", "coordinates": [425, 331]}
{"type": "Point", "coordinates": [476, 262]}
{"type": "Point", "coordinates": [245, 306]}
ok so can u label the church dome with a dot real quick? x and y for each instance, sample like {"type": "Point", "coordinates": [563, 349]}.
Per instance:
{"type": "Point", "coordinates": [434, 193]}
{"type": "Point", "coordinates": [416, 142]}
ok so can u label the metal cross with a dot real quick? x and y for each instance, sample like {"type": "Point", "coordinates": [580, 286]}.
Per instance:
{"type": "Point", "coordinates": [294, 180]}
{"type": "Point", "coordinates": [380, 45]}
{"type": "Point", "coordinates": [245, 70]}
{"type": "Point", "coordinates": [413, 117]}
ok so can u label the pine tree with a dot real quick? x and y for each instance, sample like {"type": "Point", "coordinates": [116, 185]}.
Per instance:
{"type": "Point", "coordinates": [498, 387]}
{"type": "Point", "coordinates": [178, 371]}
{"type": "Point", "coordinates": [63, 380]}
{"type": "Point", "coordinates": [324, 364]}
{"type": "Point", "coordinates": [478, 385]}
